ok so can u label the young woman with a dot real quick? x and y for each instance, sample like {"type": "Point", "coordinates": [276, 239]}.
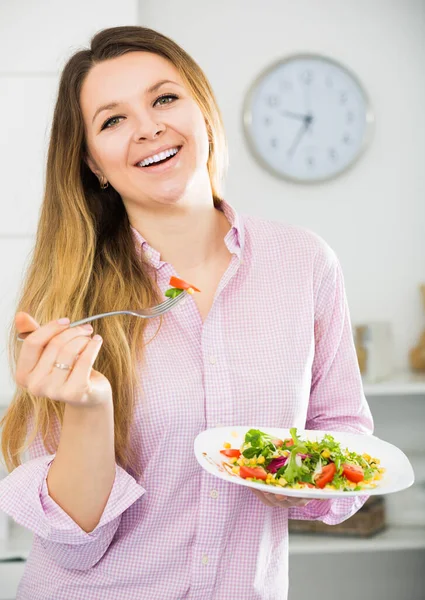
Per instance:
{"type": "Point", "coordinates": [119, 507]}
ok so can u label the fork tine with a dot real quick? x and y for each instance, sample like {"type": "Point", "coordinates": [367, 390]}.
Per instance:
{"type": "Point", "coordinates": [167, 305]}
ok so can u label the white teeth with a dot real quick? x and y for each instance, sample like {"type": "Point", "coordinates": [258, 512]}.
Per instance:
{"type": "Point", "coordinates": [157, 157]}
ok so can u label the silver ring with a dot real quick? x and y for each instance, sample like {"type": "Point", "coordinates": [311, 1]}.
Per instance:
{"type": "Point", "coordinates": [63, 366]}
{"type": "Point", "coordinates": [67, 367]}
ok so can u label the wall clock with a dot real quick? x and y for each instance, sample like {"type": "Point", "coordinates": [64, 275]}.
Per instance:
{"type": "Point", "coordinates": [307, 118]}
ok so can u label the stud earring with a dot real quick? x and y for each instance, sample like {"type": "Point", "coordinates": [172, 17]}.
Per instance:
{"type": "Point", "coordinates": [103, 184]}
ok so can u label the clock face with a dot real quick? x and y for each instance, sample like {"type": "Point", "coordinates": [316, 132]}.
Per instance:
{"type": "Point", "coordinates": [307, 118]}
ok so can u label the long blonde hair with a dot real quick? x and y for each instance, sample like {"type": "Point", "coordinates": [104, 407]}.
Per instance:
{"type": "Point", "coordinates": [84, 259]}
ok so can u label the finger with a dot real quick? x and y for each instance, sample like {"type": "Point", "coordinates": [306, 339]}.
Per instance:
{"type": "Point", "coordinates": [262, 496]}
{"type": "Point", "coordinates": [68, 355]}
{"type": "Point", "coordinates": [290, 501]}
{"type": "Point", "coordinates": [56, 349]}
{"type": "Point", "coordinates": [44, 345]}
{"type": "Point", "coordinates": [85, 362]}
{"type": "Point", "coordinates": [46, 379]}
{"type": "Point", "coordinates": [24, 322]}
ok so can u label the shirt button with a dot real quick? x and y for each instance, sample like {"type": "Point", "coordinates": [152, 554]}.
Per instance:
{"type": "Point", "coordinates": [205, 559]}
{"type": "Point", "coordinates": [148, 253]}
{"type": "Point", "coordinates": [214, 494]}
{"type": "Point", "coordinates": [213, 360]}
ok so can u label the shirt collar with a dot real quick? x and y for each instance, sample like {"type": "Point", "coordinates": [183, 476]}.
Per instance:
{"type": "Point", "coordinates": [234, 238]}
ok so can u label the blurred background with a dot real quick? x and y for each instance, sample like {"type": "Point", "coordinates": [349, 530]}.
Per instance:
{"type": "Point", "coordinates": [372, 215]}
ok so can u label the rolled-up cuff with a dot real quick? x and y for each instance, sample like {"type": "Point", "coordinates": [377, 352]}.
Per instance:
{"type": "Point", "coordinates": [331, 511]}
{"type": "Point", "coordinates": [24, 496]}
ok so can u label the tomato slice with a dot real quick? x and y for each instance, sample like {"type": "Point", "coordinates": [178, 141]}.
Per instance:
{"type": "Point", "coordinates": [289, 442]}
{"type": "Point", "coordinates": [277, 442]}
{"type": "Point", "coordinates": [182, 285]}
{"type": "Point", "coordinates": [257, 472]}
{"type": "Point", "coordinates": [231, 452]}
{"type": "Point", "coordinates": [353, 472]}
{"type": "Point", "coordinates": [326, 475]}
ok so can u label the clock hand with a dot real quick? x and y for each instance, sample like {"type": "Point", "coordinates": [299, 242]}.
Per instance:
{"type": "Point", "coordinates": [293, 115]}
{"type": "Point", "coordinates": [304, 127]}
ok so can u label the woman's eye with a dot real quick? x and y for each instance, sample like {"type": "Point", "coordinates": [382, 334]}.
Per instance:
{"type": "Point", "coordinates": [167, 99]}
{"type": "Point", "coordinates": [110, 122]}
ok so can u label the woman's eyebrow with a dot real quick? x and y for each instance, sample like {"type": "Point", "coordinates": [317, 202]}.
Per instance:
{"type": "Point", "coordinates": [150, 90]}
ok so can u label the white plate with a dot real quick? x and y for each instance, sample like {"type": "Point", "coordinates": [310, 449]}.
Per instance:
{"type": "Point", "coordinates": [398, 476]}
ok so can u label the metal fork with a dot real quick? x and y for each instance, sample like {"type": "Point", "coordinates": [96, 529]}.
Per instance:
{"type": "Point", "coordinates": [146, 313]}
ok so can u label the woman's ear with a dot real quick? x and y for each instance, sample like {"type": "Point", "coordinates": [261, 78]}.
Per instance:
{"type": "Point", "coordinates": [92, 166]}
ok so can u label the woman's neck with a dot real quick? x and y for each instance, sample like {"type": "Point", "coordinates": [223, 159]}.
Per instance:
{"type": "Point", "coordinates": [190, 237]}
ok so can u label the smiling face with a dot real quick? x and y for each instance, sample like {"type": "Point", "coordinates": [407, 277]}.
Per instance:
{"type": "Point", "coordinates": [152, 145]}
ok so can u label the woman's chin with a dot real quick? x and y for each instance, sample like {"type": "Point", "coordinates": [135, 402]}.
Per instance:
{"type": "Point", "coordinates": [171, 195]}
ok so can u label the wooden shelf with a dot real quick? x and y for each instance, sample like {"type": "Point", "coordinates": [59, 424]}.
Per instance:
{"type": "Point", "coordinates": [18, 545]}
{"type": "Point", "coordinates": [393, 538]}
{"type": "Point", "coordinates": [401, 384]}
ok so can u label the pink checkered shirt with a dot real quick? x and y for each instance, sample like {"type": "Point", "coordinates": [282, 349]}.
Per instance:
{"type": "Point", "coordinates": [276, 350]}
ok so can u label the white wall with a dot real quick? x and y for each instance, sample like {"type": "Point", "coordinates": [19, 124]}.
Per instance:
{"type": "Point", "coordinates": [374, 215]}
{"type": "Point", "coordinates": [35, 40]}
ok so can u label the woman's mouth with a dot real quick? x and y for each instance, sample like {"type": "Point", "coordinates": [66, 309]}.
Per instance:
{"type": "Point", "coordinates": [160, 161]}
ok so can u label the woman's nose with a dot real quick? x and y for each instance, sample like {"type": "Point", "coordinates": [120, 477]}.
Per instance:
{"type": "Point", "coordinates": [148, 129]}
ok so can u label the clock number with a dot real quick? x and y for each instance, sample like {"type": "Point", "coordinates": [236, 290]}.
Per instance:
{"type": "Point", "coordinates": [333, 154]}
{"type": "Point", "coordinates": [307, 76]}
{"type": "Point", "coordinates": [273, 142]}
{"type": "Point", "coordinates": [310, 161]}
{"type": "Point", "coordinates": [343, 97]}
{"type": "Point", "coordinates": [285, 86]}
{"type": "Point", "coordinates": [350, 117]}
{"type": "Point", "coordinates": [267, 121]}
{"type": "Point", "coordinates": [273, 101]}
{"type": "Point", "coordinates": [346, 138]}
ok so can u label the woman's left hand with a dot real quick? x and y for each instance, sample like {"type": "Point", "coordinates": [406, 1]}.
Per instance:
{"type": "Point", "coordinates": [278, 500]}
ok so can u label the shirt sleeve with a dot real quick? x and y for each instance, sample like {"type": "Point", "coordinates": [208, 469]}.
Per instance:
{"type": "Point", "coordinates": [337, 401]}
{"type": "Point", "coordinates": [24, 496]}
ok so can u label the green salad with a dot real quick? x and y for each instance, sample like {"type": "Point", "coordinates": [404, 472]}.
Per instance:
{"type": "Point", "coordinates": [297, 463]}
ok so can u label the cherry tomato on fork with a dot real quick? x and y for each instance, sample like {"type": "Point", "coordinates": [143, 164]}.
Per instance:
{"type": "Point", "coordinates": [182, 285]}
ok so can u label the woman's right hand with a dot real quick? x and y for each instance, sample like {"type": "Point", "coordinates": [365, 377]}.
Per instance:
{"type": "Point", "coordinates": [58, 343]}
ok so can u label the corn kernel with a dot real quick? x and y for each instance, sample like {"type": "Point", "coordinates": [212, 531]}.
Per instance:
{"type": "Point", "coordinates": [236, 470]}
{"type": "Point", "coordinates": [326, 454]}
{"type": "Point", "coordinates": [246, 461]}
{"type": "Point", "coordinates": [282, 481]}
{"type": "Point", "coordinates": [366, 457]}
{"type": "Point", "coordinates": [253, 462]}
{"type": "Point", "coordinates": [260, 460]}
{"type": "Point", "coordinates": [233, 460]}
{"type": "Point", "coordinates": [240, 461]}
{"type": "Point", "coordinates": [227, 445]}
